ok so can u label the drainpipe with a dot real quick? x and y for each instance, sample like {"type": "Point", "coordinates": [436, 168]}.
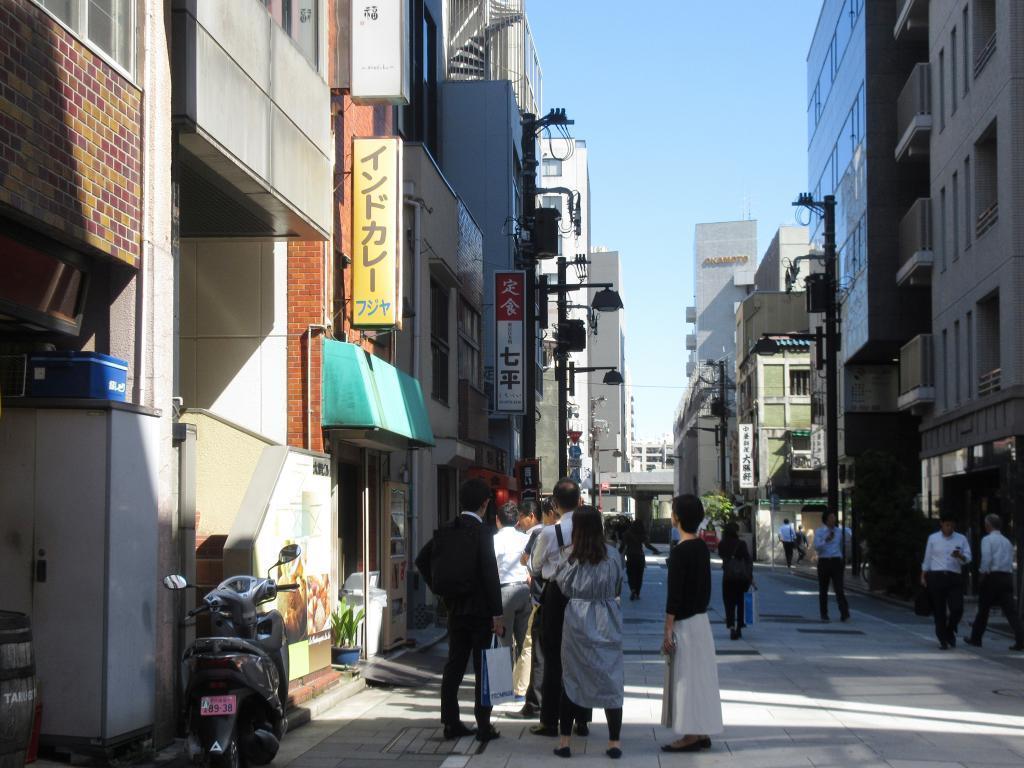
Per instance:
{"type": "Point", "coordinates": [309, 376]}
{"type": "Point", "coordinates": [418, 204]}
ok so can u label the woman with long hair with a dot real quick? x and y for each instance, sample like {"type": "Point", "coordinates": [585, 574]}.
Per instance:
{"type": "Point", "coordinates": [737, 576]}
{"type": "Point", "coordinates": [691, 705]}
{"type": "Point", "coordinates": [592, 664]}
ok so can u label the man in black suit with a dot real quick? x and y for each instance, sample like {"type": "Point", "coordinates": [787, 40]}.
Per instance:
{"type": "Point", "coordinates": [473, 615]}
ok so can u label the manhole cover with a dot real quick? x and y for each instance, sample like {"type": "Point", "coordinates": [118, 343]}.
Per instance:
{"type": "Point", "coordinates": [430, 741]}
{"type": "Point", "coordinates": [1017, 693]}
{"type": "Point", "coordinates": [831, 631]}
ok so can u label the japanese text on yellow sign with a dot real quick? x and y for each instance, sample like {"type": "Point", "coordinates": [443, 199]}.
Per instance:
{"type": "Point", "coordinates": [376, 232]}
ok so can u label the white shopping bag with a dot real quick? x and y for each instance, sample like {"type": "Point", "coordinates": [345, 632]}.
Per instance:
{"type": "Point", "coordinates": [496, 681]}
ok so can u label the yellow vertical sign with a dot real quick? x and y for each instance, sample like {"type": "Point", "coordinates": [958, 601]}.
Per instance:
{"type": "Point", "coordinates": [376, 232]}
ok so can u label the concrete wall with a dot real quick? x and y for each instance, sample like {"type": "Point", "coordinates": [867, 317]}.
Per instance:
{"type": "Point", "coordinates": [233, 332]}
{"type": "Point", "coordinates": [788, 244]}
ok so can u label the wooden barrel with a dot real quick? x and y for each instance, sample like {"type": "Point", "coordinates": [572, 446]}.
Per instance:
{"type": "Point", "coordinates": [17, 688]}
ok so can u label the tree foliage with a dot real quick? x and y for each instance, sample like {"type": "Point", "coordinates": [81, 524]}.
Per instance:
{"type": "Point", "coordinates": [891, 527]}
{"type": "Point", "coordinates": [718, 508]}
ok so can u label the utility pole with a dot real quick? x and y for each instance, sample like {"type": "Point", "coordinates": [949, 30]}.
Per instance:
{"type": "Point", "coordinates": [832, 364]}
{"type": "Point", "coordinates": [723, 425]}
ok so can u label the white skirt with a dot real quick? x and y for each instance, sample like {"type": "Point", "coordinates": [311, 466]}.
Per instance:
{"type": "Point", "coordinates": [691, 703]}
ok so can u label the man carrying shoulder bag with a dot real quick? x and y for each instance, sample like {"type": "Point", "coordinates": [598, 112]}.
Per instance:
{"type": "Point", "coordinates": [471, 593]}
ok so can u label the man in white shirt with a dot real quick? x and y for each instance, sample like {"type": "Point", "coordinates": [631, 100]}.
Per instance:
{"type": "Point", "coordinates": [945, 556]}
{"type": "Point", "coordinates": [509, 545]}
{"type": "Point", "coordinates": [996, 587]}
{"type": "Point", "coordinates": [787, 535]}
{"type": "Point", "coordinates": [529, 665]}
{"type": "Point", "coordinates": [830, 544]}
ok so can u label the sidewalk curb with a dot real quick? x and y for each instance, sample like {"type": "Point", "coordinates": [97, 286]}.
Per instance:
{"type": "Point", "coordinates": [300, 716]}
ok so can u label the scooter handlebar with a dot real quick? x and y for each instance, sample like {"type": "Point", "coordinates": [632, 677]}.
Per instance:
{"type": "Point", "coordinates": [287, 587]}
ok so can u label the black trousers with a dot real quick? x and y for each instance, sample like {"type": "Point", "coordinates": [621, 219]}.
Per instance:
{"type": "Point", "coordinates": [467, 635]}
{"type": "Point", "coordinates": [946, 591]}
{"type": "Point", "coordinates": [732, 599]}
{"type": "Point", "coordinates": [552, 609]}
{"type": "Point", "coordinates": [996, 589]}
{"type": "Point", "coordinates": [831, 569]}
{"type": "Point", "coordinates": [534, 691]}
{"type": "Point", "coordinates": [635, 572]}
{"type": "Point", "coordinates": [787, 546]}
{"type": "Point", "coordinates": [569, 712]}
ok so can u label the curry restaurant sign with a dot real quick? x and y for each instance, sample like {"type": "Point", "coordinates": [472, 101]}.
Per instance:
{"type": "Point", "coordinates": [712, 261]}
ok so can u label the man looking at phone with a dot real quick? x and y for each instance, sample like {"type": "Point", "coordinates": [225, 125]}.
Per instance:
{"type": "Point", "coordinates": [945, 556]}
{"type": "Point", "coordinates": [829, 542]}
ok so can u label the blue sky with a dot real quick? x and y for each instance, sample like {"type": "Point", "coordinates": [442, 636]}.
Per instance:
{"type": "Point", "coordinates": [693, 111]}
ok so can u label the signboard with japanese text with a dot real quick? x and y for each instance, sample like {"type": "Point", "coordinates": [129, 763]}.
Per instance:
{"type": "Point", "coordinates": [748, 479]}
{"type": "Point", "coordinates": [510, 361]}
{"type": "Point", "coordinates": [376, 233]}
{"type": "Point", "coordinates": [380, 64]}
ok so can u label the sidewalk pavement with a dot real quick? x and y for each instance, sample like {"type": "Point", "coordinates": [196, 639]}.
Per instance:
{"type": "Point", "coordinates": [795, 692]}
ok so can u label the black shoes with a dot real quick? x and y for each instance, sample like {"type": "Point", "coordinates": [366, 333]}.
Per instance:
{"type": "Point", "coordinates": [735, 634]}
{"type": "Point", "coordinates": [613, 752]}
{"type": "Point", "coordinates": [970, 641]}
{"type": "Point", "coordinates": [582, 729]}
{"type": "Point", "coordinates": [528, 712]}
{"type": "Point", "coordinates": [458, 731]}
{"type": "Point", "coordinates": [825, 619]}
{"type": "Point", "coordinates": [845, 618]}
{"type": "Point", "coordinates": [562, 752]}
{"type": "Point", "coordinates": [693, 746]}
{"type": "Point", "coordinates": [952, 640]}
{"type": "Point", "coordinates": [488, 735]}
{"type": "Point", "coordinates": [943, 645]}
{"type": "Point", "coordinates": [544, 730]}
{"type": "Point", "coordinates": [1017, 647]}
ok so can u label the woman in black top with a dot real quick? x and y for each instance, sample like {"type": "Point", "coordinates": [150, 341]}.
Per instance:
{"type": "Point", "coordinates": [691, 705]}
{"type": "Point", "coordinates": [737, 570]}
{"type": "Point", "coordinates": [633, 542]}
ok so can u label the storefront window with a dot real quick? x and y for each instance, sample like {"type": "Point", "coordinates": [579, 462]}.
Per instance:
{"type": "Point", "coordinates": [107, 24]}
{"type": "Point", "coordinates": [299, 19]}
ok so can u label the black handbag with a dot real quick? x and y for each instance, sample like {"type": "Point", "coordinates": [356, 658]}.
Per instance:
{"type": "Point", "coordinates": [922, 602]}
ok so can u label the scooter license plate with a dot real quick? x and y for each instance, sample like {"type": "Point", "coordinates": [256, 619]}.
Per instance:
{"type": "Point", "coordinates": [216, 706]}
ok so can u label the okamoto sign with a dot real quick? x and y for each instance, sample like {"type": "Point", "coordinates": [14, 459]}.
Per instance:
{"type": "Point", "coordinates": [712, 261]}
{"type": "Point", "coordinates": [510, 362]}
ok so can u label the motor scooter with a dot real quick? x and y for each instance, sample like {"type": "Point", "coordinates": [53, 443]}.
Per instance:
{"type": "Point", "coordinates": [236, 680]}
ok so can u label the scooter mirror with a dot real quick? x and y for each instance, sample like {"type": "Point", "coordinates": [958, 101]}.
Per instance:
{"type": "Point", "coordinates": [288, 553]}
{"type": "Point", "coordinates": [175, 581]}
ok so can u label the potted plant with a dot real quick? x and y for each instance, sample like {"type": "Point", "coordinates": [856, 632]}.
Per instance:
{"type": "Point", "coordinates": [344, 626]}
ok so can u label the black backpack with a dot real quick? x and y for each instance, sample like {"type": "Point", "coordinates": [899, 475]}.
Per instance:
{"type": "Point", "coordinates": [453, 560]}
{"type": "Point", "coordinates": [736, 570]}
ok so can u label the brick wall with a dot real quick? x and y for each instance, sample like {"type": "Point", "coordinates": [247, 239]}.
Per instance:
{"type": "Point", "coordinates": [70, 145]}
{"type": "Point", "coordinates": [305, 307]}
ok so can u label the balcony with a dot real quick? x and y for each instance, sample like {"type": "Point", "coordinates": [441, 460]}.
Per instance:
{"type": "Point", "coordinates": [691, 314]}
{"type": "Point", "coordinates": [252, 115]}
{"type": "Point", "coordinates": [990, 382]}
{"type": "Point", "coordinates": [987, 219]}
{"type": "Point", "coordinates": [914, 115]}
{"type": "Point", "coordinates": [916, 256]}
{"type": "Point", "coordinates": [912, 21]}
{"type": "Point", "coordinates": [691, 341]}
{"type": "Point", "coordinates": [917, 375]}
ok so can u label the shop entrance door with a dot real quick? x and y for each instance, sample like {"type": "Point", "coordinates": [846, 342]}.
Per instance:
{"type": "Point", "coordinates": [394, 570]}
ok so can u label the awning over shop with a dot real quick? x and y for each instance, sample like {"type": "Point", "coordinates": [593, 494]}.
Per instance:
{"type": "Point", "coordinates": [371, 402]}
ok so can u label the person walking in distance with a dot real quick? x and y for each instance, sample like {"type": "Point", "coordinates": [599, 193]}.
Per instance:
{"type": "Point", "coordinates": [692, 704]}
{"type": "Point", "coordinates": [945, 555]}
{"type": "Point", "coordinates": [509, 546]}
{"type": "Point", "coordinates": [787, 535]}
{"type": "Point", "coordinates": [829, 542]}
{"type": "Point", "coordinates": [737, 576]}
{"type": "Point", "coordinates": [551, 550]}
{"type": "Point", "coordinates": [592, 662]}
{"type": "Point", "coordinates": [801, 544]}
{"type": "Point", "coordinates": [634, 541]}
{"type": "Point", "coordinates": [458, 565]}
{"type": "Point", "coordinates": [996, 588]}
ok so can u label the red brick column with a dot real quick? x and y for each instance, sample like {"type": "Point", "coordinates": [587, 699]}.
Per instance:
{"type": "Point", "coordinates": [305, 307]}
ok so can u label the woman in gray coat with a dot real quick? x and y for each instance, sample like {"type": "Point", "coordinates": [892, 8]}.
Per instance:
{"type": "Point", "coordinates": [592, 670]}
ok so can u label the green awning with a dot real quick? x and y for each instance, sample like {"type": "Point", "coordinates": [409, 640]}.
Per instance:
{"type": "Point", "coordinates": [371, 399]}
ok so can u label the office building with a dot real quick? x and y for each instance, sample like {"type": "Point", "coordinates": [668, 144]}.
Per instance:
{"type": "Point", "coordinates": [652, 455]}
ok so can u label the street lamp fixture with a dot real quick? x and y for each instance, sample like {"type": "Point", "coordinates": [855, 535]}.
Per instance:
{"type": "Point", "coordinates": [607, 300]}
{"type": "Point", "coordinates": [612, 376]}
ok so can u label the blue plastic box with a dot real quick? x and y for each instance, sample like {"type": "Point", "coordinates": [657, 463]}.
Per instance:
{"type": "Point", "coordinates": [77, 375]}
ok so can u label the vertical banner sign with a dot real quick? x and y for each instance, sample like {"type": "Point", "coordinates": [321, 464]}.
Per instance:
{"type": "Point", "coordinates": [376, 233]}
{"type": "Point", "coordinates": [510, 365]}
{"type": "Point", "coordinates": [380, 64]}
{"type": "Point", "coordinates": [747, 478]}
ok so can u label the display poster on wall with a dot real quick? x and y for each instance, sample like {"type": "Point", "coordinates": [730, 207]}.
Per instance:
{"type": "Point", "coordinates": [380, 64]}
{"type": "Point", "coordinates": [510, 362]}
{"type": "Point", "coordinates": [871, 388]}
{"type": "Point", "coordinates": [299, 512]}
{"type": "Point", "coordinates": [748, 478]}
{"type": "Point", "coordinates": [376, 233]}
